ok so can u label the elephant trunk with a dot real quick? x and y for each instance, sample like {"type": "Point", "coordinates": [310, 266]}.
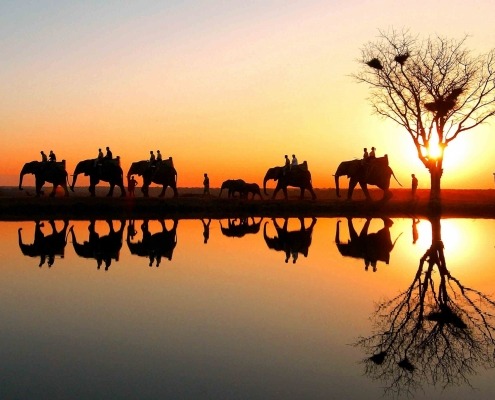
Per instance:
{"type": "Point", "coordinates": [265, 235]}
{"type": "Point", "coordinates": [266, 179]}
{"type": "Point", "coordinates": [337, 189]}
{"type": "Point", "coordinates": [337, 233]}
{"type": "Point", "coordinates": [74, 179]}
{"type": "Point", "coordinates": [20, 179]}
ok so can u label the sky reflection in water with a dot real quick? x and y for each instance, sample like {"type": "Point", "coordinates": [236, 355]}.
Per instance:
{"type": "Point", "coordinates": [234, 317]}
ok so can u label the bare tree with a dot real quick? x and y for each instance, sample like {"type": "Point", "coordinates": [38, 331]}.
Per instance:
{"type": "Point", "coordinates": [438, 331]}
{"type": "Point", "coordinates": [435, 88]}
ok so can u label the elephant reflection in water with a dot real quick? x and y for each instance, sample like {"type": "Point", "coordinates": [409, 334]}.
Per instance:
{"type": "Point", "coordinates": [292, 243]}
{"type": "Point", "coordinates": [45, 246]}
{"type": "Point", "coordinates": [437, 331]}
{"type": "Point", "coordinates": [154, 246]}
{"type": "Point", "coordinates": [239, 227]}
{"type": "Point", "coordinates": [103, 249]}
{"type": "Point", "coordinates": [371, 247]}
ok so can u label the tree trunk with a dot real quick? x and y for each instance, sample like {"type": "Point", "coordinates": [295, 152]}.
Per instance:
{"type": "Point", "coordinates": [436, 172]}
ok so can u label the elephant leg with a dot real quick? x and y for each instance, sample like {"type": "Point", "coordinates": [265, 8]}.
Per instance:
{"type": "Point", "coordinates": [387, 195]}
{"type": "Point", "coordinates": [39, 185]}
{"type": "Point", "coordinates": [122, 190]}
{"type": "Point", "coordinates": [284, 189]}
{"type": "Point", "coordinates": [66, 190]}
{"type": "Point", "coordinates": [303, 189]}
{"type": "Point", "coordinates": [352, 231]}
{"type": "Point", "coordinates": [92, 190]}
{"type": "Point", "coordinates": [352, 184]}
{"type": "Point", "coordinates": [164, 189]}
{"type": "Point", "coordinates": [313, 194]}
{"type": "Point", "coordinates": [366, 192]}
{"type": "Point", "coordinates": [110, 192]}
{"type": "Point", "coordinates": [144, 189]}
{"type": "Point", "coordinates": [176, 193]}
{"type": "Point", "coordinates": [364, 231]}
{"type": "Point", "coordinates": [54, 190]}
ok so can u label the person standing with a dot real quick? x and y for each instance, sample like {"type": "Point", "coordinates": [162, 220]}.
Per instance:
{"type": "Point", "coordinates": [132, 186]}
{"type": "Point", "coordinates": [414, 186]}
{"type": "Point", "coordinates": [206, 185]}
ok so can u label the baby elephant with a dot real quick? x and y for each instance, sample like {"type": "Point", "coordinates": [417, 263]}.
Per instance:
{"type": "Point", "coordinates": [252, 188]}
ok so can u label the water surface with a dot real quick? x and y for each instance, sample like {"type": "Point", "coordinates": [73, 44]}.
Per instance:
{"type": "Point", "coordinates": [246, 309]}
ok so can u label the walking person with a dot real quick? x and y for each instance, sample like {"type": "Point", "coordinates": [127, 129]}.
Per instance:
{"type": "Point", "coordinates": [206, 185]}
{"type": "Point", "coordinates": [414, 186]}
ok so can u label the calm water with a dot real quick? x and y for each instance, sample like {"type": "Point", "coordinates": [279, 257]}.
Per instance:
{"type": "Point", "coordinates": [247, 309]}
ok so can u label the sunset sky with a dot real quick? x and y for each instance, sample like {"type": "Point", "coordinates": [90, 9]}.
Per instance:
{"type": "Point", "coordinates": [224, 87]}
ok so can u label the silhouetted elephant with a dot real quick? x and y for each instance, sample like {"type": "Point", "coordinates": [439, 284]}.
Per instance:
{"type": "Point", "coordinates": [252, 188]}
{"type": "Point", "coordinates": [154, 246]}
{"type": "Point", "coordinates": [373, 172]}
{"type": "Point", "coordinates": [233, 186]}
{"type": "Point", "coordinates": [292, 243]}
{"type": "Point", "coordinates": [241, 228]}
{"type": "Point", "coordinates": [371, 247]}
{"type": "Point", "coordinates": [52, 172]}
{"type": "Point", "coordinates": [162, 173]}
{"type": "Point", "coordinates": [101, 170]}
{"type": "Point", "coordinates": [102, 249]}
{"type": "Point", "coordinates": [45, 246]}
{"type": "Point", "coordinates": [298, 176]}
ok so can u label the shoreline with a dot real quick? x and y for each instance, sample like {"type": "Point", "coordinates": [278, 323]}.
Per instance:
{"type": "Point", "coordinates": [18, 205]}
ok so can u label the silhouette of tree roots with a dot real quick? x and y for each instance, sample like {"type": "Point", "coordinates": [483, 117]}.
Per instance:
{"type": "Point", "coordinates": [430, 334]}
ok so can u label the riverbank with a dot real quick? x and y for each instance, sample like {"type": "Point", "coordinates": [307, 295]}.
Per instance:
{"type": "Point", "coordinates": [24, 205]}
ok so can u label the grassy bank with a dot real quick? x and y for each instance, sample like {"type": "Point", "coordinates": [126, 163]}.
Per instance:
{"type": "Point", "coordinates": [23, 205]}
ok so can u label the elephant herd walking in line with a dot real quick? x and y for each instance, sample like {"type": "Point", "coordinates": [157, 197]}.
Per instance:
{"type": "Point", "coordinates": [376, 172]}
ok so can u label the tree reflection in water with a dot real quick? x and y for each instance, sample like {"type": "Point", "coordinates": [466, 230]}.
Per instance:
{"type": "Point", "coordinates": [436, 332]}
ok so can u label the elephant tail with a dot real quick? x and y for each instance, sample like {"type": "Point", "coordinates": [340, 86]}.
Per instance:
{"type": "Point", "coordinates": [397, 238]}
{"type": "Point", "coordinates": [395, 178]}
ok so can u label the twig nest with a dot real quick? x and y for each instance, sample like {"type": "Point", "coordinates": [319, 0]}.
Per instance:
{"type": "Point", "coordinates": [375, 63]}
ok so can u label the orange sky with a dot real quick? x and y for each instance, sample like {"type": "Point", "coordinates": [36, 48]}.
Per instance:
{"type": "Point", "coordinates": [226, 89]}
